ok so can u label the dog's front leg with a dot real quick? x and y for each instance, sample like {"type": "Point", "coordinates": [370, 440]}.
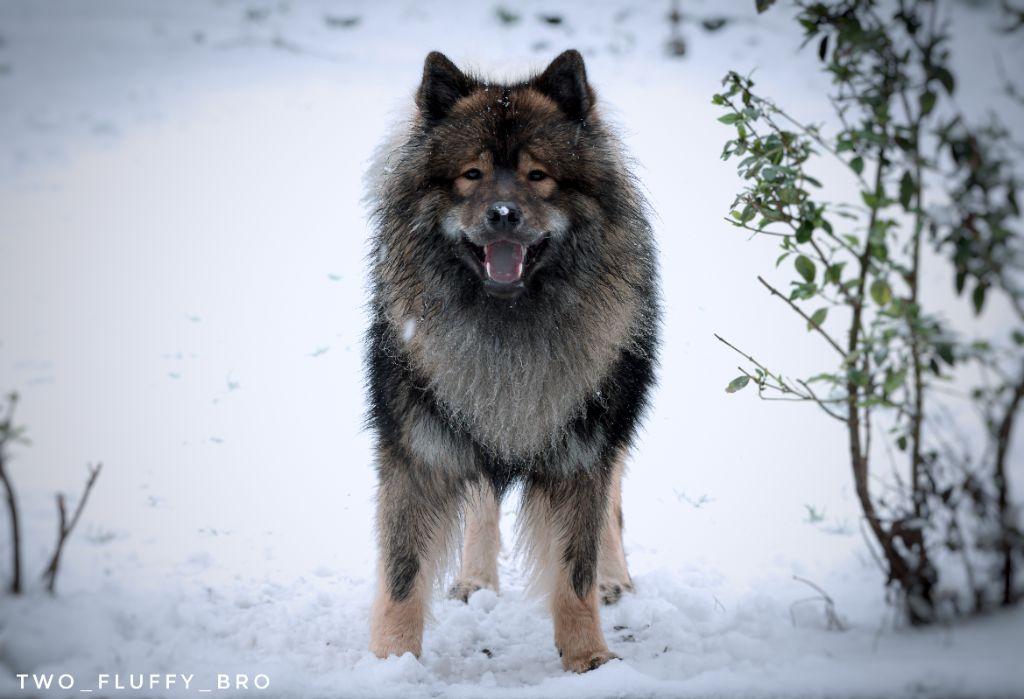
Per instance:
{"type": "Point", "coordinates": [565, 517]}
{"type": "Point", "coordinates": [481, 544]}
{"type": "Point", "coordinates": [417, 509]}
{"type": "Point", "coordinates": [612, 574]}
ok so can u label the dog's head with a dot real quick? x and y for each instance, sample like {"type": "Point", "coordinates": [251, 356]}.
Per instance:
{"type": "Point", "coordinates": [506, 158]}
{"type": "Point", "coordinates": [508, 191]}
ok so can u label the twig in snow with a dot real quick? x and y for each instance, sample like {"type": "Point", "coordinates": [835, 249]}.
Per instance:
{"type": "Point", "coordinates": [831, 618]}
{"type": "Point", "coordinates": [9, 433]}
{"type": "Point", "coordinates": [66, 526]}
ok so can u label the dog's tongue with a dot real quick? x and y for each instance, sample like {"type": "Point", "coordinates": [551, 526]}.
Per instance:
{"type": "Point", "coordinates": [503, 261]}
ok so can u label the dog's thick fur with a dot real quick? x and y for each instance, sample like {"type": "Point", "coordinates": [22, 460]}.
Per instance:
{"type": "Point", "coordinates": [477, 383]}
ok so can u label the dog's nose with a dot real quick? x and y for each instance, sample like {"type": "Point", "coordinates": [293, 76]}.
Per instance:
{"type": "Point", "coordinates": [504, 215]}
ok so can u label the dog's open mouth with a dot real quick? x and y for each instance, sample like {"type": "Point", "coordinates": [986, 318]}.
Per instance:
{"type": "Point", "coordinates": [505, 264]}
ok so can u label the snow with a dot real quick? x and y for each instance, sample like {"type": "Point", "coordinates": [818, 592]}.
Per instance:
{"type": "Point", "coordinates": [409, 330]}
{"type": "Point", "coordinates": [182, 268]}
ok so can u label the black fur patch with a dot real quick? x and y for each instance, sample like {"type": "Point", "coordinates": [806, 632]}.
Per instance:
{"type": "Point", "coordinates": [402, 571]}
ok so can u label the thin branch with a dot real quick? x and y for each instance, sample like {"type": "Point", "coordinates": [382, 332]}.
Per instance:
{"type": "Point", "coordinates": [743, 354]}
{"type": "Point", "coordinates": [756, 231]}
{"type": "Point", "coordinates": [831, 617]}
{"type": "Point", "coordinates": [781, 386]}
{"type": "Point", "coordinates": [859, 456]}
{"type": "Point", "coordinates": [67, 526]}
{"type": "Point", "coordinates": [821, 403]}
{"type": "Point", "coordinates": [1003, 436]}
{"type": "Point", "coordinates": [816, 326]}
{"type": "Point", "coordinates": [8, 433]}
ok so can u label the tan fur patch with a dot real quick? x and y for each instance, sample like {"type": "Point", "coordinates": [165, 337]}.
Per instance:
{"type": "Point", "coordinates": [464, 186]}
{"type": "Point", "coordinates": [475, 102]}
{"type": "Point", "coordinates": [536, 102]}
{"type": "Point", "coordinates": [397, 627]}
{"type": "Point", "coordinates": [612, 573]}
{"type": "Point", "coordinates": [527, 164]}
{"type": "Point", "coordinates": [481, 545]}
{"type": "Point", "coordinates": [578, 634]}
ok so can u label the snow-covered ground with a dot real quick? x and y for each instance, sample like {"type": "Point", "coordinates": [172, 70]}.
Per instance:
{"type": "Point", "coordinates": [182, 292]}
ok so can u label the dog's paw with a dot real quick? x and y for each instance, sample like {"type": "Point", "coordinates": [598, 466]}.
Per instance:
{"type": "Point", "coordinates": [610, 591]}
{"type": "Point", "coordinates": [585, 662]}
{"type": "Point", "coordinates": [382, 648]}
{"type": "Point", "coordinates": [463, 588]}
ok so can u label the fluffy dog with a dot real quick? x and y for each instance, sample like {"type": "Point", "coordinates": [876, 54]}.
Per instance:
{"type": "Point", "coordinates": [513, 339]}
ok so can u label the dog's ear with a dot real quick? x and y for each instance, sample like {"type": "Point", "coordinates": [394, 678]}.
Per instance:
{"type": "Point", "coordinates": [443, 84]}
{"type": "Point", "coordinates": [565, 81]}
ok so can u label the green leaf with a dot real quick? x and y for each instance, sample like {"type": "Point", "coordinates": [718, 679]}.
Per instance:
{"type": "Point", "coordinates": [945, 351]}
{"type": "Point", "coordinates": [737, 384]}
{"type": "Point", "coordinates": [857, 164]}
{"type": "Point", "coordinates": [817, 318]}
{"type": "Point", "coordinates": [789, 195]}
{"type": "Point", "coordinates": [961, 280]}
{"type": "Point", "coordinates": [906, 190]}
{"type": "Point", "coordinates": [1018, 338]}
{"type": "Point", "coordinates": [927, 102]}
{"type": "Point", "coordinates": [803, 233]}
{"type": "Point", "coordinates": [895, 380]}
{"type": "Point", "coordinates": [730, 118]}
{"type": "Point", "coordinates": [763, 5]}
{"type": "Point", "coordinates": [881, 292]}
{"type": "Point", "coordinates": [978, 297]}
{"type": "Point", "coordinates": [834, 273]}
{"type": "Point", "coordinates": [805, 267]}
{"type": "Point", "coordinates": [803, 291]}
{"type": "Point", "coordinates": [857, 377]}
{"type": "Point", "coordinates": [943, 75]}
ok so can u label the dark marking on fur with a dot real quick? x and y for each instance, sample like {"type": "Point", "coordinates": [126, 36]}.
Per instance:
{"type": "Point", "coordinates": [402, 569]}
{"type": "Point", "coordinates": [611, 593]}
{"type": "Point", "coordinates": [565, 81]}
{"type": "Point", "coordinates": [442, 86]}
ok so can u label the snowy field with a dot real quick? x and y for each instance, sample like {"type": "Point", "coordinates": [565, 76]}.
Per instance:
{"type": "Point", "coordinates": [182, 291]}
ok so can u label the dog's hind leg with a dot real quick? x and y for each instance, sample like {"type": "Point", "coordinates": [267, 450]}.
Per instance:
{"type": "Point", "coordinates": [481, 544]}
{"type": "Point", "coordinates": [417, 510]}
{"type": "Point", "coordinates": [564, 518]}
{"type": "Point", "coordinates": [612, 574]}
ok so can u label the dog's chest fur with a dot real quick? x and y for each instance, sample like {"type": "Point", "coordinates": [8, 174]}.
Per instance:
{"type": "Point", "coordinates": [515, 386]}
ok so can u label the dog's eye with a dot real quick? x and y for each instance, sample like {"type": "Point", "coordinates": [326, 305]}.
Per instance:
{"type": "Point", "coordinates": [536, 175]}
{"type": "Point", "coordinates": [472, 174]}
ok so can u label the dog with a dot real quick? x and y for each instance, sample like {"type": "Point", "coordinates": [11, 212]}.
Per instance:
{"type": "Point", "coordinates": [513, 338]}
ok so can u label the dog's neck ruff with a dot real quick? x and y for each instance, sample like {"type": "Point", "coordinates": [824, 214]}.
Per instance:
{"type": "Point", "coordinates": [516, 386]}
